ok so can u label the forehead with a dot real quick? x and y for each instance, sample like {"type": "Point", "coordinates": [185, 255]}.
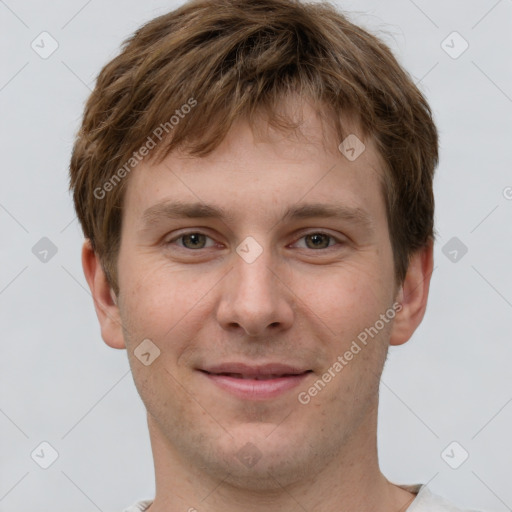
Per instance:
{"type": "Point", "coordinates": [257, 169]}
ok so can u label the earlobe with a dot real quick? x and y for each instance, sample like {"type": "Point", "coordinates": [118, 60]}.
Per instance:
{"type": "Point", "coordinates": [413, 295]}
{"type": "Point", "coordinates": [105, 301]}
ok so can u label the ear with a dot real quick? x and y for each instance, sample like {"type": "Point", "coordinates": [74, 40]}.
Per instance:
{"type": "Point", "coordinates": [413, 295]}
{"type": "Point", "coordinates": [104, 298]}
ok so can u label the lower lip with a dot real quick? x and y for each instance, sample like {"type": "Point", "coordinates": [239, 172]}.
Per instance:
{"type": "Point", "coordinates": [251, 389]}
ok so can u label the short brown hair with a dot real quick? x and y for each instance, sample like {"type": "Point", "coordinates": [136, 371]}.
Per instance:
{"type": "Point", "coordinates": [235, 58]}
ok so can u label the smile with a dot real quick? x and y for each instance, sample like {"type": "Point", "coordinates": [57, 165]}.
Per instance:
{"type": "Point", "coordinates": [256, 384]}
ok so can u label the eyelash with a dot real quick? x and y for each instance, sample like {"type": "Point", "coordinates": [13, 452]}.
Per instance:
{"type": "Point", "coordinates": [182, 235]}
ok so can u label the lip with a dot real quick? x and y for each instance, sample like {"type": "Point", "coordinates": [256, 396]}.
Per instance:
{"type": "Point", "coordinates": [255, 382]}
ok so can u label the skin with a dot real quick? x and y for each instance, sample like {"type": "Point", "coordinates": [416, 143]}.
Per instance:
{"type": "Point", "coordinates": [296, 304]}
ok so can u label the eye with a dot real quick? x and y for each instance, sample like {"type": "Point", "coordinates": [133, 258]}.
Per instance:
{"type": "Point", "coordinates": [191, 240]}
{"type": "Point", "coordinates": [318, 240]}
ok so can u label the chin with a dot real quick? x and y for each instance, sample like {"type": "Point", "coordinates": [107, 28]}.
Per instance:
{"type": "Point", "coordinates": [259, 458]}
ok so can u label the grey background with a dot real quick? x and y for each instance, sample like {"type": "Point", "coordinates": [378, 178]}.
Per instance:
{"type": "Point", "coordinates": [61, 384]}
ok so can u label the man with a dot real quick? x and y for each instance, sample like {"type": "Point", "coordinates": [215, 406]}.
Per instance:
{"type": "Point", "coordinates": [254, 182]}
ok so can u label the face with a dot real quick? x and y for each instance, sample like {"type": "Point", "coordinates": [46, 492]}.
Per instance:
{"type": "Point", "coordinates": [253, 271]}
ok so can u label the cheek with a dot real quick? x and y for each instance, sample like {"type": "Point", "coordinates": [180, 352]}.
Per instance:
{"type": "Point", "coordinates": [345, 299]}
{"type": "Point", "coordinates": [162, 303]}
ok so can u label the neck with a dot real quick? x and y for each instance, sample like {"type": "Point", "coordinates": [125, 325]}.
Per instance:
{"type": "Point", "coordinates": [346, 481]}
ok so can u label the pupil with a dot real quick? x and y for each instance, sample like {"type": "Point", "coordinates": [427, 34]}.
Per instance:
{"type": "Point", "coordinates": [317, 239]}
{"type": "Point", "coordinates": [194, 238]}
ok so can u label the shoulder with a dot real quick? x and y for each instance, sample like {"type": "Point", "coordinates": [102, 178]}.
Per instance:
{"type": "Point", "coordinates": [140, 506]}
{"type": "Point", "coordinates": [427, 501]}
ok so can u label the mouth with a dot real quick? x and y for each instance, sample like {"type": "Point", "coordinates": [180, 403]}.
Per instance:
{"type": "Point", "coordinates": [256, 377]}
{"type": "Point", "coordinates": [255, 383]}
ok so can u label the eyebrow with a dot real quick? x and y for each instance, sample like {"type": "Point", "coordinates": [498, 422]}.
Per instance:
{"type": "Point", "coordinates": [180, 210]}
{"type": "Point", "coordinates": [326, 211]}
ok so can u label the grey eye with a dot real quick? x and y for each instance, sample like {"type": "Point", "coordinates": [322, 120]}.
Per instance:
{"type": "Point", "coordinates": [318, 240]}
{"type": "Point", "coordinates": [193, 240]}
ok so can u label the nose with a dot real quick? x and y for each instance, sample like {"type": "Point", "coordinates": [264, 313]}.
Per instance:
{"type": "Point", "coordinates": [255, 298]}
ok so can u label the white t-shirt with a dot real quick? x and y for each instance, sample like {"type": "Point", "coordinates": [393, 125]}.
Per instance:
{"type": "Point", "coordinates": [425, 501]}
